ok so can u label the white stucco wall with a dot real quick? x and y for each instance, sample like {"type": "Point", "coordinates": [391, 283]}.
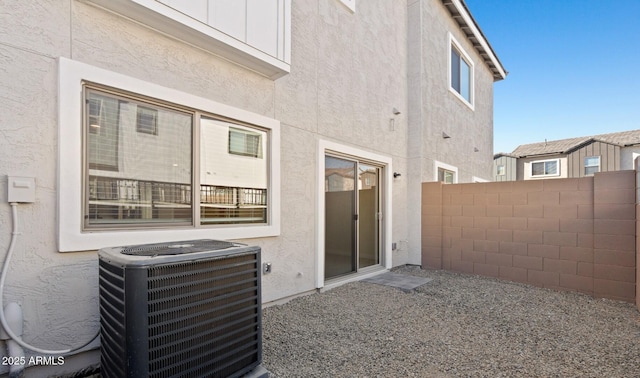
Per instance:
{"type": "Point", "coordinates": [349, 70]}
{"type": "Point", "coordinates": [434, 109]}
{"type": "Point", "coordinates": [628, 156]}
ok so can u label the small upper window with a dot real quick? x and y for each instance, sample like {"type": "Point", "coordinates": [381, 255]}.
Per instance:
{"type": "Point", "coordinates": [446, 176]}
{"type": "Point", "coordinates": [244, 142]}
{"type": "Point", "coordinates": [591, 165]}
{"type": "Point", "coordinates": [147, 120]}
{"type": "Point", "coordinates": [95, 115]}
{"type": "Point", "coordinates": [460, 72]}
{"type": "Point", "coordinates": [545, 168]}
{"type": "Point", "coordinates": [500, 170]}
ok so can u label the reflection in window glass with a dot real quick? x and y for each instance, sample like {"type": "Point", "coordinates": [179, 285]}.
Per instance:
{"type": "Point", "coordinates": [455, 70]}
{"type": "Point", "coordinates": [139, 160]}
{"type": "Point", "coordinates": [147, 121]}
{"type": "Point", "coordinates": [537, 169]}
{"type": "Point", "coordinates": [551, 167]}
{"type": "Point", "coordinates": [544, 168]}
{"type": "Point", "coordinates": [464, 80]}
{"type": "Point", "coordinates": [233, 173]}
{"type": "Point", "coordinates": [445, 176]}
{"type": "Point", "coordinates": [460, 74]}
{"type": "Point", "coordinates": [244, 142]}
{"type": "Point", "coordinates": [130, 178]}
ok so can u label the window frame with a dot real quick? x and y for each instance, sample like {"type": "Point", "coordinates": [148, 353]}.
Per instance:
{"type": "Point", "coordinates": [453, 44]}
{"type": "Point", "coordinates": [258, 154]}
{"type": "Point", "coordinates": [501, 170]}
{"type": "Point", "coordinates": [71, 236]}
{"type": "Point", "coordinates": [591, 166]}
{"type": "Point", "coordinates": [557, 161]}
{"type": "Point", "coordinates": [140, 126]}
{"type": "Point", "coordinates": [440, 165]}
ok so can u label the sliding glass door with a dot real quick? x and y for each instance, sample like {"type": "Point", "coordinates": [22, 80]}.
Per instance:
{"type": "Point", "coordinates": [352, 216]}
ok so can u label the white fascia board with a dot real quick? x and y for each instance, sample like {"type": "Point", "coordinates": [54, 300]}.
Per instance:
{"type": "Point", "coordinates": [472, 25]}
{"type": "Point", "coordinates": [175, 24]}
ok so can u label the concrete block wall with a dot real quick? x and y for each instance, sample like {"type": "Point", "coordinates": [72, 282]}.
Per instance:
{"type": "Point", "coordinates": [566, 234]}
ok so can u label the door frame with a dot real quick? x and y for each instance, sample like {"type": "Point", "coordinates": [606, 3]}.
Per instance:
{"type": "Point", "coordinates": [386, 180]}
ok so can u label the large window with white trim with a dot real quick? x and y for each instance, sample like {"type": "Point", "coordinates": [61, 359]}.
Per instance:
{"type": "Point", "coordinates": [141, 163]}
{"type": "Point", "coordinates": [140, 159]}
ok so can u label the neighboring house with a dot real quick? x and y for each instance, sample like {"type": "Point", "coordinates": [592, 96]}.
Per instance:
{"type": "Point", "coordinates": [269, 122]}
{"type": "Point", "coordinates": [573, 157]}
{"type": "Point", "coordinates": [505, 166]}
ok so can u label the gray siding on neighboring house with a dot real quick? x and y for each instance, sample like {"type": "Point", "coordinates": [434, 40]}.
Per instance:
{"type": "Point", "coordinates": [617, 151]}
{"type": "Point", "coordinates": [510, 168]}
{"type": "Point", "coordinates": [609, 158]}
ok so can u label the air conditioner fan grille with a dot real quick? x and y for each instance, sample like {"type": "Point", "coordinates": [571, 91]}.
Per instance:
{"type": "Point", "coordinates": [177, 248]}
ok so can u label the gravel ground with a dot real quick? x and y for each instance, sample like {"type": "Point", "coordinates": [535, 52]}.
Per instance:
{"type": "Point", "coordinates": [454, 326]}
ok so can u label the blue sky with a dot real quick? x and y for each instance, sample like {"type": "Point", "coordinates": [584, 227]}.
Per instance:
{"type": "Point", "coordinates": [571, 63]}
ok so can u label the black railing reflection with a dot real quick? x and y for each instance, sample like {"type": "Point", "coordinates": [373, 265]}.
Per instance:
{"type": "Point", "coordinates": [132, 191]}
{"type": "Point", "coordinates": [129, 192]}
{"type": "Point", "coordinates": [232, 196]}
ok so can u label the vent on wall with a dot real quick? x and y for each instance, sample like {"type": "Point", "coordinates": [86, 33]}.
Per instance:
{"type": "Point", "coordinates": [182, 309]}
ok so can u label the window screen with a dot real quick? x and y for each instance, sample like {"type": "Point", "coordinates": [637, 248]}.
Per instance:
{"type": "Point", "coordinates": [139, 166]}
{"type": "Point", "coordinates": [544, 168]}
{"type": "Point", "coordinates": [133, 177]}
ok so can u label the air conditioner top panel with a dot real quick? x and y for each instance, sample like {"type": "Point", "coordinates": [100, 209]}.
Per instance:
{"type": "Point", "coordinates": [157, 253]}
{"type": "Point", "coordinates": [177, 248]}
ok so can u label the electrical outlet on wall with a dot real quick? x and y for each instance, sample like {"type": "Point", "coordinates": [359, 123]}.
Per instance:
{"type": "Point", "coordinates": [21, 189]}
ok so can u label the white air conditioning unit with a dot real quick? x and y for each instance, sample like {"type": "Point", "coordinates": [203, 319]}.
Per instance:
{"type": "Point", "coordinates": [182, 309]}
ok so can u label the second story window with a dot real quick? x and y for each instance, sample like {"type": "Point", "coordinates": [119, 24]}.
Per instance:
{"type": "Point", "coordinates": [591, 165]}
{"type": "Point", "coordinates": [545, 168]}
{"type": "Point", "coordinates": [460, 72]}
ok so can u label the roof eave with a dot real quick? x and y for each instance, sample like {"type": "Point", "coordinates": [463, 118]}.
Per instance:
{"type": "Point", "coordinates": [461, 14]}
{"type": "Point", "coordinates": [542, 155]}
